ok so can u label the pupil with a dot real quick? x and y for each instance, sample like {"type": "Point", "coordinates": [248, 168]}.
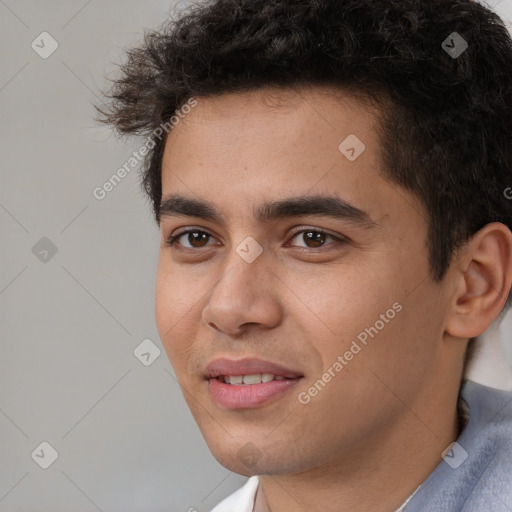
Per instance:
{"type": "Point", "coordinates": [315, 237]}
{"type": "Point", "coordinates": [193, 240]}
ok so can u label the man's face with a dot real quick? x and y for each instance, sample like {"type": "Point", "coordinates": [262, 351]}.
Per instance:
{"type": "Point", "coordinates": [350, 315]}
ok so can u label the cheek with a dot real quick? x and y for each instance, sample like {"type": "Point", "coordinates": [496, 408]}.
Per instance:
{"type": "Point", "coordinates": [359, 316]}
{"type": "Point", "coordinates": [344, 302]}
{"type": "Point", "coordinates": [175, 294]}
{"type": "Point", "coordinates": [170, 308]}
{"type": "Point", "coordinates": [179, 299]}
{"type": "Point", "coordinates": [165, 298]}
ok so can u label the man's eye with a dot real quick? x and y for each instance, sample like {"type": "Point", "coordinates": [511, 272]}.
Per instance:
{"type": "Point", "coordinates": [312, 238]}
{"type": "Point", "coordinates": [195, 238]}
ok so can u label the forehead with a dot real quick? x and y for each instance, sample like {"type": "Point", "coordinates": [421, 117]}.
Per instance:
{"type": "Point", "coordinates": [276, 143]}
{"type": "Point", "coordinates": [272, 127]}
{"type": "Point", "coordinates": [291, 105]}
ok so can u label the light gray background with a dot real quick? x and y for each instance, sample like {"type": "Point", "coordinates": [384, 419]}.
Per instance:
{"type": "Point", "coordinates": [124, 436]}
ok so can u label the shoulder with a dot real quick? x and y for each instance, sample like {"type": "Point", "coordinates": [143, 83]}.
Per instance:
{"type": "Point", "coordinates": [489, 430]}
{"type": "Point", "coordinates": [241, 500]}
{"type": "Point", "coordinates": [489, 444]}
{"type": "Point", "coordinates": [475, 474]}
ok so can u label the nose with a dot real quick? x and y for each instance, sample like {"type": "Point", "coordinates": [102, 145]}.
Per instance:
{"type": "Point", "coordinates": [245, 295]}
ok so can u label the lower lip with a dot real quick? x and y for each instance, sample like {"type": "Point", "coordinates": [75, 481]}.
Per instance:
{"type": "Point", "coordinates": [249, 396]}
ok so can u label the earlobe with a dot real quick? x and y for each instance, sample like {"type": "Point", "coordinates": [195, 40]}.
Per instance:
{"type": "Point", "coordinates": [483, 281]}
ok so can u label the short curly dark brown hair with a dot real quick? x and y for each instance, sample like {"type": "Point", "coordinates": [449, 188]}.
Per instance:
{"type": "Point", "coordinates": [446, 123]}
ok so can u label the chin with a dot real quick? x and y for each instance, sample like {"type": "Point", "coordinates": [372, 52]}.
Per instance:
{"type": "Point", "coordinates": [249, 458]}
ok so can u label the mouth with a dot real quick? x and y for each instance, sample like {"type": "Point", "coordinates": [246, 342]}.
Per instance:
{"type": "Point", "coordinates": [248, 383]}
{"type": "Point", "coordinates": [249, 380]}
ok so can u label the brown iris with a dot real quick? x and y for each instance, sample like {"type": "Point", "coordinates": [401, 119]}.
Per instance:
{"type": "Point", "coordinates": [201, 237]}
{"type": "Point", "coordinates": [314, 237]}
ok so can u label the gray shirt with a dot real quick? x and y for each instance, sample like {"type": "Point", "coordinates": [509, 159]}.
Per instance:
{"type": "Point", "coordinates": [475, 475]}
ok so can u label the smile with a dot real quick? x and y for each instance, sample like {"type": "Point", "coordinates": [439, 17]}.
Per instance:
{"type": "Point", "coordinates": [248, 383]}
{"type": "Point", "coordinates": [258, 378]}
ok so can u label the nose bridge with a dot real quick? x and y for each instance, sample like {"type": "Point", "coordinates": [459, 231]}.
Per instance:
{"type": "Point", "coordinates": [244, 267]}
{"type": "Point", "coordinates": [242, 295]}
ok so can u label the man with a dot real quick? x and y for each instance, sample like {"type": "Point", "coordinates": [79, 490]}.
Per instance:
{"type": "Point", "coordinates": [333, 198]}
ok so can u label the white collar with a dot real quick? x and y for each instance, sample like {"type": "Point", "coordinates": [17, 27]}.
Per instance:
{"type": "Point", "coordinates": [242, 500]}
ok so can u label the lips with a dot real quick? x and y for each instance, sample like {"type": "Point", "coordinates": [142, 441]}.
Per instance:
{"type": "Point", "coordinates": [252, 366]}
{"type": "Point", "coordinates": [239, 385]}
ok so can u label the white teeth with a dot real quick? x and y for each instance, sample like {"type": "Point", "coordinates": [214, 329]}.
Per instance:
{"type": "Point", "coordinates": [252, 379]}
{"type": "Point", "coordinates": [257, 378]}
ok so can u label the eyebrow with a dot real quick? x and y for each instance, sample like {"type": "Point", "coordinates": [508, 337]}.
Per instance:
{"type": "Point", "coordinates": [298, 206]}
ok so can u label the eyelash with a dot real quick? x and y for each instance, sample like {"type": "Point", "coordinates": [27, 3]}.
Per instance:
{"type": "Point", "coordinates": [170, 242]}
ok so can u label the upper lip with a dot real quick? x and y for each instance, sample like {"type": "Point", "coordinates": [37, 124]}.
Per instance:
{"type": "Point", "coordinates": [247, 366]}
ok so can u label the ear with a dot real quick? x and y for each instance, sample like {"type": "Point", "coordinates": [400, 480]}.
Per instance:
{"type": "Point", "coordinates": [483, 277]}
